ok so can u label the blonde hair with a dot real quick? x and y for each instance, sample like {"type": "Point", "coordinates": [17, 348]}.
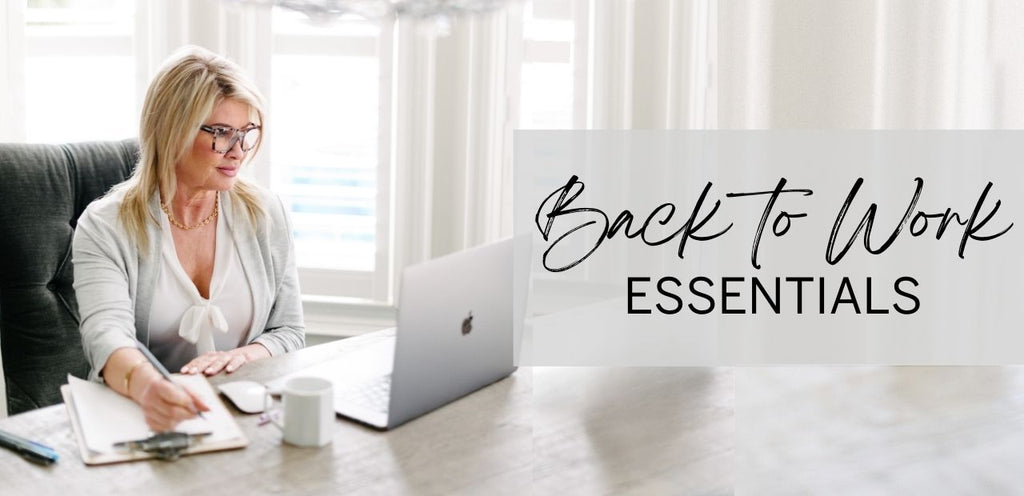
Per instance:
{"type": "Point", "coordinates": [182, 95]}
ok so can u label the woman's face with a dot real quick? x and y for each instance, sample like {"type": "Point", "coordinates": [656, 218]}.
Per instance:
{"type": "Point", "coordinates": [203, 169]}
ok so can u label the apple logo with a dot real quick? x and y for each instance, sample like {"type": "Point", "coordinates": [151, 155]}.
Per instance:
{"type": "Point", "coordinates": [467, 324]}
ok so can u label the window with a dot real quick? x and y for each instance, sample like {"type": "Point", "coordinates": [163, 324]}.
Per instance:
{"type": "Point", "coordinates": [78, 58]}
{"type": "Point", "coordinates": [547, 94]}
{"type": "Point", "coordinates": [329, 149]}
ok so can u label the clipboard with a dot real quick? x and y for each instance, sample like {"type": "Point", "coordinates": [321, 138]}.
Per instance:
{"type": "Point", "coordinates": [101, 417]}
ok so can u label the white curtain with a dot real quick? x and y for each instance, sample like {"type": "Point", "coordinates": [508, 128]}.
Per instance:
{"type": "Point", "coordinates": [645, 65]}
{"type": "Point", "coordinates": [851, 64]}
{"type": "Point", "coordinates": [451, 137]}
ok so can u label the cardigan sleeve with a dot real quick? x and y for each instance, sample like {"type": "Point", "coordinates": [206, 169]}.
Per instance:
{"type": "Point", "coordinates": [105, 305]}
{"type": "Point", "coordinates": [285, 330]}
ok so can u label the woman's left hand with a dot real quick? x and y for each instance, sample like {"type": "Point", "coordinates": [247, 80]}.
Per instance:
{"type": "Point", "coordinates": [214, 362]}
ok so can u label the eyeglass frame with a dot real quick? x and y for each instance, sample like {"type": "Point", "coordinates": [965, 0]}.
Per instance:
{"type": "Point", "coordinates": [238, 136]}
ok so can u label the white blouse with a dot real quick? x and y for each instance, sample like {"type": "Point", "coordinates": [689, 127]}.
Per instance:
{"type": "Point", "coordinates": [183, 324]}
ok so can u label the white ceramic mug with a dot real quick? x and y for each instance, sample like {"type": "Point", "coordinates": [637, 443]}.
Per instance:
{"type": "Point", "coordinates": [308, 411]}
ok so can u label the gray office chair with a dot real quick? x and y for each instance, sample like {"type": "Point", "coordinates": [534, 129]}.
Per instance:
{"type": "Point", "coordinates": [43, 190]}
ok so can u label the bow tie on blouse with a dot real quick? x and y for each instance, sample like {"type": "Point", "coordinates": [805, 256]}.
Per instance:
{"type": "Point", "coordinates": [198, 324]}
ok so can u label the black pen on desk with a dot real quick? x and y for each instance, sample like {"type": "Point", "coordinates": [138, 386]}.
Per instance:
{"type": "Point", "coordinates": [29, 450]}
{"type": "Point", "coordinates": [163, 371]}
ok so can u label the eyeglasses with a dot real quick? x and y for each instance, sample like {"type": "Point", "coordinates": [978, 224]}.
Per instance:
{"type": "Point", "coordinates": [224, 138]}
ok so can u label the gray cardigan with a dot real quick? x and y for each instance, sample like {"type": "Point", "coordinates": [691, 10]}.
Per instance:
{"type": "Point", "coordinates": [114, 282]}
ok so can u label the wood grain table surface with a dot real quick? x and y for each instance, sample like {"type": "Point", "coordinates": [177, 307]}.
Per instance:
{"type": "Point", "coordinates": [539, 431]}
{"type": "Point", "coordinates": [880, 430]}
{"type": "Point", "coordinates": [642, 431]}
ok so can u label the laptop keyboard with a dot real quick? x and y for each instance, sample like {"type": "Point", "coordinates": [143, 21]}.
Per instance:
{"type": "Point", "coordinates": [373, 394]}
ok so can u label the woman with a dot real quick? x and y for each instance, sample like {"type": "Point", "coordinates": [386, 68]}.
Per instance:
{"type": "Point", "coordinates": [186, 256]}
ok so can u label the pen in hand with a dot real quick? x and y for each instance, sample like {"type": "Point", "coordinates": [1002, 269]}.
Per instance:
{"type": "Point", "coordinates": [163, 372]}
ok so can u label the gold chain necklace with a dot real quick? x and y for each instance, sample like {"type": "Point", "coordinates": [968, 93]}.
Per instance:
{"type": "Point", "coordinates": [201, 223]}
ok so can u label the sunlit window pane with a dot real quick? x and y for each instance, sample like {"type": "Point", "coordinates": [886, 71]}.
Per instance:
{"type": "Point", "coordinates": [79, 17]}
{"type": "Point", "coordinates": [65, 104]}
{"type": "Point", "coordinates": [325, 149]}
{"type": "Point", "coordinates": [79, 70]}
{"type": "Point", "coordinates": [546, 96]}
{"type": "Point", "coordinates": [546, 92]}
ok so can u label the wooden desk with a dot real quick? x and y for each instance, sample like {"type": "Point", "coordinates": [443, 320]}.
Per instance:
{"type": "Point", "coordinates": [541, 431]}
{"type": "Point", "coordinates": [558, 431]}
{"type": "Point", "coordinates": [879, 430]}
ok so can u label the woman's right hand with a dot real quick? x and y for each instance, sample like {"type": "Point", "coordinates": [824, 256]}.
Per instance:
{"type": "Point", "coordinates": [164, 403]}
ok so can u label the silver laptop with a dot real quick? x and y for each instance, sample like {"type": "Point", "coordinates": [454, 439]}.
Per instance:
{"type": "Point", "coordinates": [454, 336]}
